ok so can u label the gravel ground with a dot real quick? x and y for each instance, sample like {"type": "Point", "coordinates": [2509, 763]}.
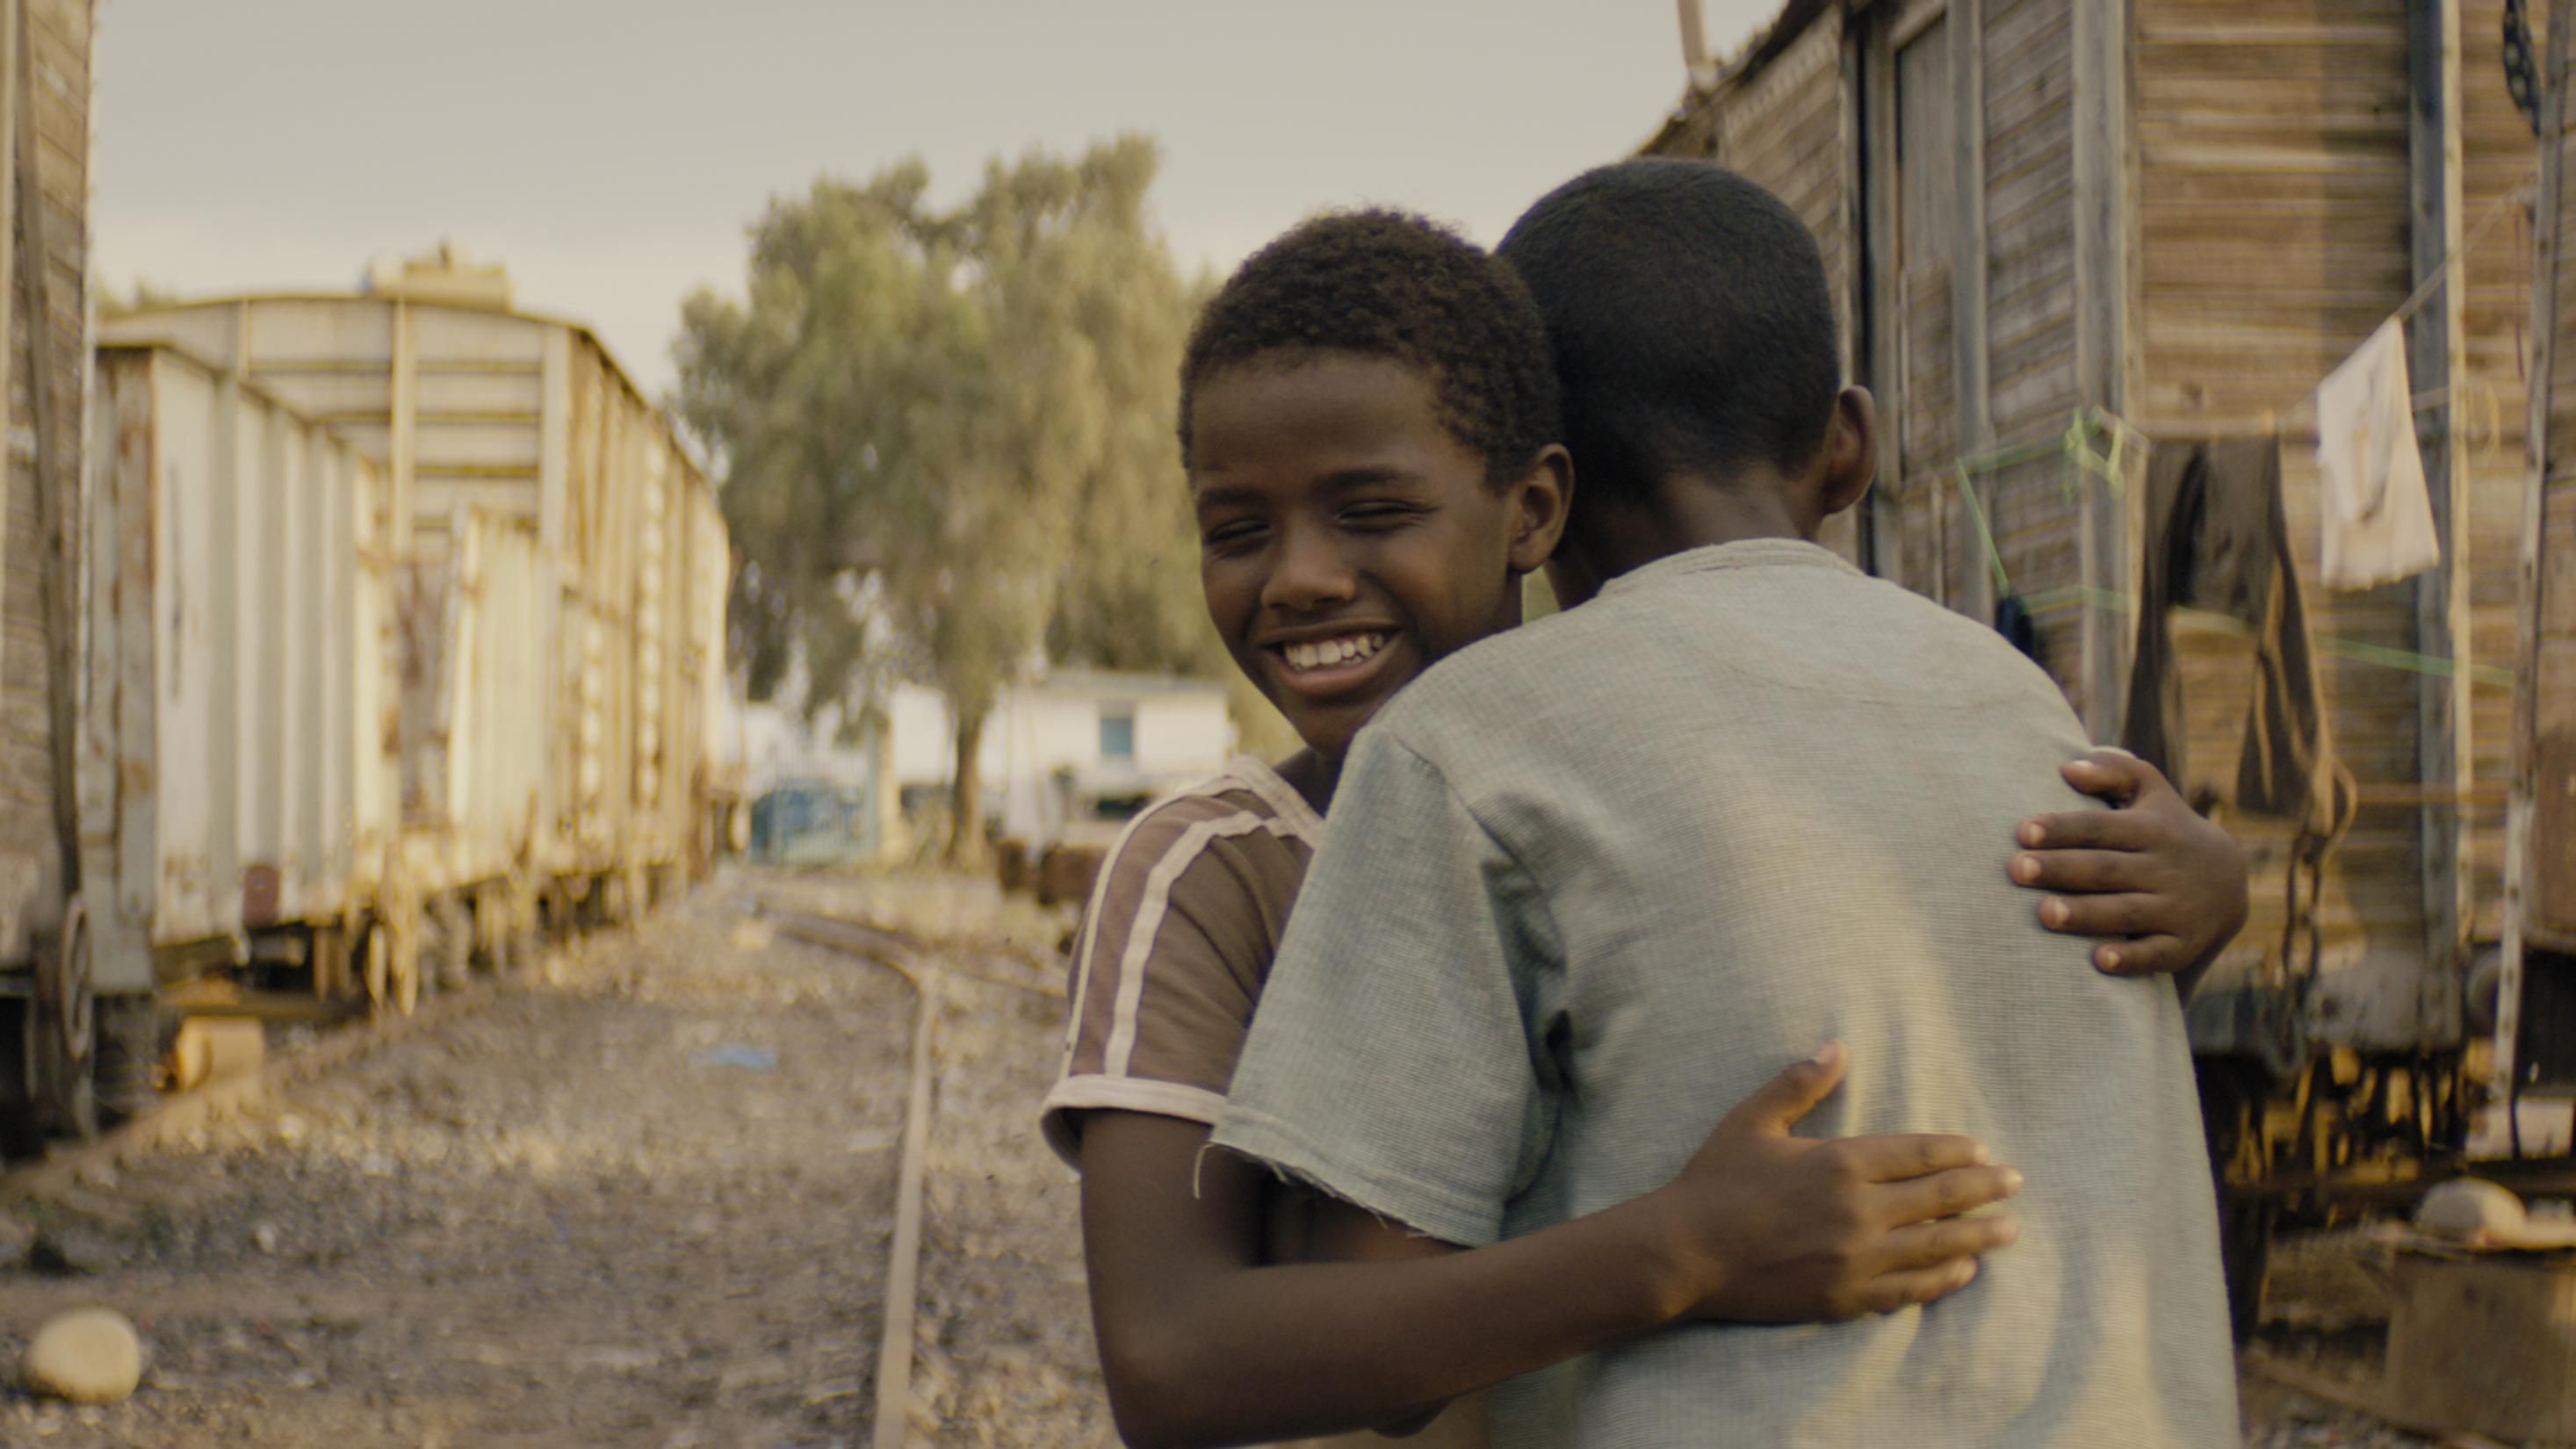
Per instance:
{"type": "Point", "coordinates": [642, 1199]}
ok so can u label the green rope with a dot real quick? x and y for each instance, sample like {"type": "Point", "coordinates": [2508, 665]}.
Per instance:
{"type": "Point", "coordinates": [1985, 535]}
{"type": "Point", "coordinates": [2079, 595]}
{"type": "Point", "coordinates": [2074, 446]}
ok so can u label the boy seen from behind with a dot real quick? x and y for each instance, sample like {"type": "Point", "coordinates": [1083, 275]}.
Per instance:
{"type": "Point", "coordinates": [1587, 878]}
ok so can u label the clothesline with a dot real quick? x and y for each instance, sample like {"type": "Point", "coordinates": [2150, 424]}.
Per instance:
{"type": "Point", "coordinates": [2049, 601]}
{"type": "Point", "coordinates": [2081, 595]}
{"type": "Point", "coordinates": [2075, 445]}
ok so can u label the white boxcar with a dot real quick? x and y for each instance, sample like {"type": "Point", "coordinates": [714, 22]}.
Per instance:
{"type": "Point", "coordinates": [237, 746]}
{"type": "Point", "coordinates": [499, 431]}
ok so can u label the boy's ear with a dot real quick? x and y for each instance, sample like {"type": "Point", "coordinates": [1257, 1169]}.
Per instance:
{"type": "Point", "coordinates": [1851, 451]}
{"type": "Point", "coordinates": [1539, 502]}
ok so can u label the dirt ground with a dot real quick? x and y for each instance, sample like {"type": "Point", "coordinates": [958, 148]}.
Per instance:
{"type": "Point", "coordinates": [644, 1197]}
{"type": "Point", "coordinates": [641, 1201]}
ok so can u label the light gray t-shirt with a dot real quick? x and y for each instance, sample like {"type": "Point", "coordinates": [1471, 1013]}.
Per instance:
{"type": "Point", "coordinates": [1588, 884]}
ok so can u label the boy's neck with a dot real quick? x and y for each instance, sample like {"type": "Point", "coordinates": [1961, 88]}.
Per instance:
{"type": "Point", "coordinates": [1313, 774]}
{"type": "Point", "coordinates": [1688, 511]}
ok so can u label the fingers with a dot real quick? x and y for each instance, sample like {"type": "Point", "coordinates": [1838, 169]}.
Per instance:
{"type": "Point", "coordinates": [2113, 775]}
{"type": "Point", "coordinates": [1945, 1194]}
{"type": "Point", "coordinates": [2131, 913]}
{"type": "Point", "coordinates": [1777, 1105]}
{"type": "Point", "coordinates": [2145, 956]}
{"type": "Point", "coordinates": [2089, 830]}
{"type": "Point", "coordinates": [1889, 1292]}
{"type": "Point", "coordinates": [1896, 1158]}
{"type": "Point", "coordinates": [1942, 1244]}
{"type": "Point", "coordinates": [2084, 870]}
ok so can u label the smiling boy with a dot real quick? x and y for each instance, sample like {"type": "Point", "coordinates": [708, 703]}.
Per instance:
{"type": "Point", "coordinates": [1369, 420]}
{"type": "Point", "coordinates": [1586, 877]}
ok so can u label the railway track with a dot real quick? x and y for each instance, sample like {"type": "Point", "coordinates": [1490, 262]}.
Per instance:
{"type": "Point", "coordinates": [941, 1335]}
{"type": "Point", "coordinates": [928, 971]}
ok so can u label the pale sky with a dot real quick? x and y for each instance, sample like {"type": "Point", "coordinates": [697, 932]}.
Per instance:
{"type": "Point", "coordinates": [611, 152]}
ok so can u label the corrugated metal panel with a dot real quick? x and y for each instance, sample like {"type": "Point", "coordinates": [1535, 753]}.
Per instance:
{"type": "Point", "coordinates": [508, 418]}
{"type": "Point", "coordinates": [236, 673]}
{"type": "Point", "coordinates": [489, 718]}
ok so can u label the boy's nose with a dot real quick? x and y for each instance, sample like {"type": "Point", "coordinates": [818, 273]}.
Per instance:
{"type": "Point", "coordinates": [1310, 576]}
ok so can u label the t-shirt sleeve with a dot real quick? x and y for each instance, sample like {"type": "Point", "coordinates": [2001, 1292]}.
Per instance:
{"type": "Point", "coordinates": [1166, 964]}
{"type": "Point", "coordinates": [1392, 1062]}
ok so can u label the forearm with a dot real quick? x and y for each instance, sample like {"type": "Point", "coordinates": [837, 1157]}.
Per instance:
{"type": "Point", "coordinates": [1317, 1348]}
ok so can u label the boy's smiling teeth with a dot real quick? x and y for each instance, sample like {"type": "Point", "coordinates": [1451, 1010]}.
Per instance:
{"type": "Point", "coordinates": [1325, 653]}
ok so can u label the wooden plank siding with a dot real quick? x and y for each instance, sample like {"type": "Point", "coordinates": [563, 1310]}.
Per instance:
{"type": "Point", "coordinates": [2500, 156]}
{"type": "Point", "coordinates": [2275, 236]}
{"type": "Point", "coordinates": [2028, 54]}
{"type": "Point", "coordinates": [2548, 728]}
{"type": "Point", "coordinates": [52, 202]}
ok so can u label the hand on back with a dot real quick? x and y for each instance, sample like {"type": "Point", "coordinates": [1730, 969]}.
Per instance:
{"type": "Point", "coordinates": [1782, 1229]}
{"type": "Point", "coordinates": [2166, 883]}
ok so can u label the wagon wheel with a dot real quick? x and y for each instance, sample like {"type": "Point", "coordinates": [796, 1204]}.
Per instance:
{"type": "Point", "coordinates": [63, 1025]}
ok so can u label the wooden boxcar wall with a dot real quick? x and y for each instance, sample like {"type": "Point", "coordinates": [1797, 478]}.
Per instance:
{"type": "Point", "coordinates": [2547, 726]}
{"type": "Point", "coordinates": [44, 86]}
{"type": "Point", "coordinates": [1854, 120]}
{"type": "Point", "coordinates": [2277, 228]}
{"type": "Point", "coordinates": [2187, 211]}
{"type": "Point", "coordinates": [2034, 378]}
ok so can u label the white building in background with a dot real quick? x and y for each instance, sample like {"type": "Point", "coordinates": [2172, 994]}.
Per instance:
{"type": "Point", "coordinates": [1051, 748]}
{"type": "Point", "coordinates": [1053, 745]}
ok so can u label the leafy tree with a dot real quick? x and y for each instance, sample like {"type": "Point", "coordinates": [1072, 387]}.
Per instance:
{"type": "Point", "coordinates": [946, 435]}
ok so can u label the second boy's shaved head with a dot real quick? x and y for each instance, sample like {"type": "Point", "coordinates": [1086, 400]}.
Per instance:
{"type": "Point", "coordinates": [1691, 324]}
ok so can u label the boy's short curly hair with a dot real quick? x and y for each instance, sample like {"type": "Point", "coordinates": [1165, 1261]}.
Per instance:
{"type": "Point", "coordinates": [1390, 284]}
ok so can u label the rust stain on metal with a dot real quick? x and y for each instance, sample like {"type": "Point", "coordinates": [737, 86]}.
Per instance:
{"type": "Point", "coordinates": [2553, 833]}
{"type": "Point", "coordinates": [259, 894]}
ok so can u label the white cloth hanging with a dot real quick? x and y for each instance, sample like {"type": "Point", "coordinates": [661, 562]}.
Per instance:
{"type": "Point", "coordinates": [2378, 517]}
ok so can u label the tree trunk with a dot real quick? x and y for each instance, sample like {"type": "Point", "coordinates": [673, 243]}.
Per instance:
{"type": "Point", "coordinates": [966, 800]}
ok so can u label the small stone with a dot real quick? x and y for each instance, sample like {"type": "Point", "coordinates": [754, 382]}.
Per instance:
{"type": "Point", "coordinates": [265, 1237]}
{"type": "Point", "coordinates": [2471, 1208]}
{"type": "Point", "coordinates": [86, 1356]}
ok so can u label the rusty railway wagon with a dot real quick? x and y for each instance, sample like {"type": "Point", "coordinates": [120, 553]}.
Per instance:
{"type": "Point", "coordinates": [237, 778]}
{"type": "Point", "coordinates": [385, 635]}
{"type": "Point", "coordinates": [2064, 237]}
{"type": "Point", "coordinates": [55, 1016]}
{"type": "Point", "coordinates": [558, 571]}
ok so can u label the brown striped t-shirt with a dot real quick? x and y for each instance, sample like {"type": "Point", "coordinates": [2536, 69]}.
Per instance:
{"type": "Point", "coordinates": [1175, 946]}
{"type": "Point", "coordinates": [1174, 949]}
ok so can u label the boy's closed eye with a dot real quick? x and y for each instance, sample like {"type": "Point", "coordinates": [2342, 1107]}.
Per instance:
{"type": "Point", "coordinates": [1379, 514]}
